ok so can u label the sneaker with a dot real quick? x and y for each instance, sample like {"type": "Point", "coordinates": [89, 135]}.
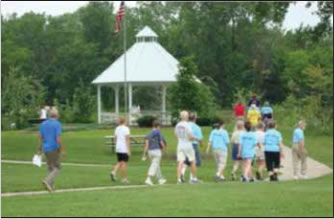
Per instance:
{"type": "Point", "coordinates": [243, 179]}
{"type": "Point", "coordinates": [252, 180]}
{"type": "Point", "coordinates": [179, 182]}
{"type": "Point", "coordinates": [295, 177]}
{"type": "Point", "coordinates": [112, 177]}
{"type": "Point", "coordinates": [272, 178]}
{"type": "Point", "coordinates": [303, 176]}
{"type": "Point", "coordinates": [275, 177]}
{"type": "Point", "coordinates": [149, 182]}
{"type": "Point", "coordinates": [258, 175]}
{"type": "Point", "coordinates": [195, 181]}
{"type": "Point", "coordinates": [47, 186]}
{"type": "Point", "coordinates": [162, 181]}
{"type": "Point", "coordinates": [125, 181]}
{"type": "Point", "coordinates": [219, 179]}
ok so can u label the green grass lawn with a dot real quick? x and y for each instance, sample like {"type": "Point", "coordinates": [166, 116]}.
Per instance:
{"type": "Point", "coordinates": [303, 198]}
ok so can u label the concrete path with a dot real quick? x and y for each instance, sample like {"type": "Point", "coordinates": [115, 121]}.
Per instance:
{"type": "Point", "coordinates": [315, 169]}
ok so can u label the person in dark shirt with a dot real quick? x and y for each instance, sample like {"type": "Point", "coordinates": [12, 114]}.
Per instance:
{"type": "Point", "coordinates": [254, 100]}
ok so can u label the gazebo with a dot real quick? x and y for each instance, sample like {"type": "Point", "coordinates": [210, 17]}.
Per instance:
{"type": "Point", "coordinates": [147, 63]}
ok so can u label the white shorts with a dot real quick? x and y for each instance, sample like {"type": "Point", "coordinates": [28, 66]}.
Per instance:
{"type": "Point", "coordinates": [259, 155]}
{"type": "Point", "coordinates": [183, 153]}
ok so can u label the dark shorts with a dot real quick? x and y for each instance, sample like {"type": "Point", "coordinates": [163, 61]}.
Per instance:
{"type": "Point", "coordinates": [122, 157]}
{"type": "Point", "coordinates": [235, 152]}
{"type": "Point", "coordinates": [267, 116]}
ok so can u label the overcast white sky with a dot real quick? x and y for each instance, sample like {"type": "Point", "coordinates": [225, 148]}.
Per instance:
{"type": "Point", "coordinates": [296, 15]}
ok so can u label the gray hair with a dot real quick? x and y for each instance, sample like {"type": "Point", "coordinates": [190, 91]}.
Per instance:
{"type": "Point", "coordinates": [54, 112]}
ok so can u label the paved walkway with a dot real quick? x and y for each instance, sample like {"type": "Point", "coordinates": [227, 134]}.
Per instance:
{"type": "Point", "coordinates": [315, 169]}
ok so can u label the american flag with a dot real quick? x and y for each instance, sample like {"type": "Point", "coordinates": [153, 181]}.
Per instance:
{"type": "Point", "coordinates": [119, 17]}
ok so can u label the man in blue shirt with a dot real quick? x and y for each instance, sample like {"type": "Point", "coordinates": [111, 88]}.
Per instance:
{"type": "Point", "coordinates": [299, 153]}
{"type": "Point", "coordinates": [266, 111]}
{"type": "Point", "coordinates": [197, 133]}
{"type": "Point", "coordinates": [273, 149]}
{"type": "Point", "coordinates": [50, 143]}
{"type": "Point", "coordinates": [219, 141]}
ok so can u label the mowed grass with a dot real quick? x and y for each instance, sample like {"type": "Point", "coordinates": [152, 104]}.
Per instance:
{"type": "Point", "coordinates": [302, 198]}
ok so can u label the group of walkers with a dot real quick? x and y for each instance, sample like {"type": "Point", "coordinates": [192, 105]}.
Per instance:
{"type": "Point", "coordinates": [253, 141]}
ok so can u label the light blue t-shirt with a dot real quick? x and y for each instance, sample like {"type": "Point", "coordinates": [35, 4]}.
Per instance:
{"type": "Point", "coordinates": [248, 141]}
{"type": "Point", "coordinates": [266, 110]}
{"type": "Point", "coordinates": [298, 135]}
{"type": "Point", "coordinates": [50, 130]}
{"type": "Point", "coordinates": [272, 140]}
{"type": "Point", "coordinates": [219, 139]}
{"type": "Point", "coordinates": [196, 131]}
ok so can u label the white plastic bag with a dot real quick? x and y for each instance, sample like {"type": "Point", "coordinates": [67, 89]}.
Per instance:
{"type": "Point", "coordinates": [37, 160]}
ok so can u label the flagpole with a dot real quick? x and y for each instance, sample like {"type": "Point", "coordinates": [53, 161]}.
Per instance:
{"type": "Point", "coordinates": [125, 75]}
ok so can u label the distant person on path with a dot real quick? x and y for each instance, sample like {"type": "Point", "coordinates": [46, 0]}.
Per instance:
{"type": "Point", "coordinates": [259, 156]}
{"type": "Point", "coordinates": [254, 100]}
{"type": "Point", "coordinates": [43, 114]}
{"type": "Point", "coordinates": [248, 143]}
{"type": "Point", "coordinates": [253, 116]}
{"type": "Point", "coordinates": [154, 145]}
{"type": "Point", "coordinates": [51, 144]}
{"type": "Point", "coordinates": [235, 150]}
{"type": "Point", "coordinates": [183, 132]}
{"type": "Point", "coordinates": [123, 151]}
{"type": "Point", "coordinates": [197, 133]}
{"type": "Point", "coordinates": [219, 141]}
{"type": "Point", "coordinates": [299, 153]}
{"type": "Point", "coordinates": [239, 111]}
{"type": "Point", "coordinates": [266, 111]}
{"type": "Point", "coordinates": [273, 149]}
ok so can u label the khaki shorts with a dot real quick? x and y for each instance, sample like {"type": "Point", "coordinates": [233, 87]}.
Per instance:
{"type": "Point", "coordinates": [183, 153]}
{"type": "Point", "coordinates": [259, 155]}
{"type": "Point", "coordinates": [220, 157]}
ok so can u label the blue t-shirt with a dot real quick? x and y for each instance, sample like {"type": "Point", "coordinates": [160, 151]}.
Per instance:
{"type": "Point", "coordinates": [298, 135]}
{"type": "Point", "coordinates": [272, 140]}
{"type": "Point", "coordinates": [154, 138]}
{"type": "Point", "coordinates": [219, 139]}
{"type": "Point", "coordinates": [248, 141]}
{"type": "Point", "coordinates": [266, 110]}
{"type": "Point", "coordinates": [196, 131]}
{"type": "Point", "coordinates": [50, 130]}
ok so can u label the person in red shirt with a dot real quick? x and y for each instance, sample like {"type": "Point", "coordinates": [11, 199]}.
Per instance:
{"type": "Point", "coordinates": [239, 110]}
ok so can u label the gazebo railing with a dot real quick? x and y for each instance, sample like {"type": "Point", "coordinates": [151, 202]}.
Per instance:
{"type": "Point", "coordinates": [110, 117]}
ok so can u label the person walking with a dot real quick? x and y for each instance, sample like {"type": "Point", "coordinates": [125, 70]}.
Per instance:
{"type": "Point", "coordinates": [123, 151]}
{"type": "Point", "coordinates": [253, 116]}
{"type": "Point", "coordinates": [248, 143]}
{"type": "Point", "coordinates": [239, 111]}
{"type": "Point", "coordinates": [154, 145]}
{"type": "Point", "coordinates": [197, 133]}
{"type": "Point", "coordinates": [219, 141]}
{"type": "Point", "coordinates": [183, 132]}
{"type": "Point", "coordinates": [273, 149]}
{"type": "Point", "coordinates": [299, 153]}
{"type": "Point", "coordinates": [239, 129]}
{"type": "Point", "coordinates": [51, 144]}
{"type": "Point", "coordinates": [254, 100]}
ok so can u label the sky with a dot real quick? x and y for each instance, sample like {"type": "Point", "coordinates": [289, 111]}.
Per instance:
{"type": "Point", "coordinates": [297, 13]}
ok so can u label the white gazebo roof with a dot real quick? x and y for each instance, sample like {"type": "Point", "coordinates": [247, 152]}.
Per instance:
{"type": "Point", "coordinates": [146, 62]}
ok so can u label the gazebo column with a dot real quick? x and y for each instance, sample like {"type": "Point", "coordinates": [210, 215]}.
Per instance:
{"type": "Point", "coordinates": [99, 104]}
{"type": "Point", "coordinates": [164, 88]}
{"type": "Point", "coordinates": [116, 99]}
{"type": "Point", "coordinates": [130, 103]}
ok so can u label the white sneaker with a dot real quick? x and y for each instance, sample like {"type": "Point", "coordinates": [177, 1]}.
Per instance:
{"type": "Point", "coordinates": [162, 181]}
{"type": "Point", "coordinates": [195, 181]}
{"type": "Point", "coordinates": [149, 182]}
{"type": "Point", "coordinates": [303, 177]}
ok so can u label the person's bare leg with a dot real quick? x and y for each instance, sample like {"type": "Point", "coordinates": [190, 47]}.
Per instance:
{"type": "Point", "coordinates": [124, 170]}
{"type": "Point", "coordinates": [261, 165]}
{"type": "Point", "coordinates": [244, 168]}
{"type": "Point", "coordinates": [116, 168]}
{"type": "Point", "coordinates": [193, 169]}
{"type": "Point", "coordinates": [179, 169]}
{"type": "Point", "coordinates": [236, 166]}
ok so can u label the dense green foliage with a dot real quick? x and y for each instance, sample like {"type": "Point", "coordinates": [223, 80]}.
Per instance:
{"type": "Point", "coordinates": [146, 121]}
{"type": "Point", "coordinates": [235, 46]}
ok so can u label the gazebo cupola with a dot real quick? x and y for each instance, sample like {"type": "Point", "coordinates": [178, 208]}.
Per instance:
{"type": "Point", "coordinates": [146, 35]}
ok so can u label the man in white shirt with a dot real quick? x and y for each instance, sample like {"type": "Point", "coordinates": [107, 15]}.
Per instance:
{"type": "Point", "coordinates": [122, 137]}
{"type": "Point", "coordinates": [185, 149]}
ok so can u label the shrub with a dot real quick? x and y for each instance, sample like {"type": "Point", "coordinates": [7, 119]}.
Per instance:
{"type": "Point", "coordinates": [145, 121]}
